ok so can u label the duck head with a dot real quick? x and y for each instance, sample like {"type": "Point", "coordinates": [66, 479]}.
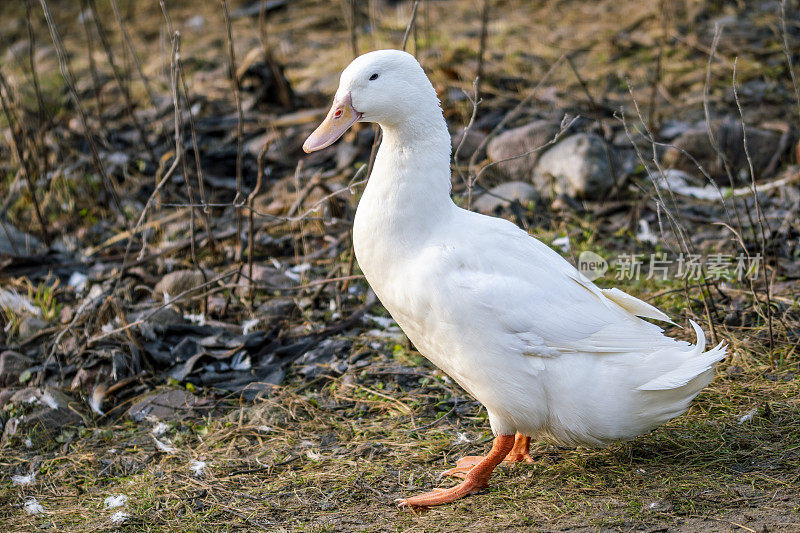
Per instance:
{"type": "Point", "coordinates": [386, 86]}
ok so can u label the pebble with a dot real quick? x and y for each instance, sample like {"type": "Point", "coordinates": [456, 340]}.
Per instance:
{"type": "Point", "coordinates": [578, 166]}
{"type": "Point", "coordinates": [518, 141]}
{"type": "Point", "coordinates": [503, 194]}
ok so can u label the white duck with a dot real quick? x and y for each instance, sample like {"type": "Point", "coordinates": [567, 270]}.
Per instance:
{"type": "Point", "coordinates": [551, 356]}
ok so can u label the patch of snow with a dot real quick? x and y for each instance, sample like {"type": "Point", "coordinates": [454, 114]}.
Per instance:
{"type": "Point", "coordinates": [199, 319]}
{"type": "Point", "coordinates": [12, 301]}
{"type": "Point", "coordinates": [23, 480]}
{"type": "Point", "coordinates": [198, 468]}
{"type": "Point", "coordinates": [78, 281]}
{"type": "Point", "coordinates": [165, 446]}
{"type": "Point", "coordinates": [32, 506]}
{"type": "Point", "coordinates": [292, 276]}
{"type": "Point", "coordinates": [393, 333]}
{"type": "Point", "coordinates": [677, 181]}
{"type": "Point", "coordinates": [119, 517]}
{"type": "Point", "coordinates": [95, 292]}
{"type": "Point", "coordinates": [302, 267]}
{"type": "Point", "coordinates": [645, 234]}
{"type": "Point", "coordinates": [562, 242]}
{"type": "Point", "coordinates": [748, 416]}
{"type": "Point", "coordinates": [382, 321]}
{"type": "Point", "coordinates": [117, 158]}
{"type": "Point", "coordinates": [264, 429]}
{"type": "Point", "coordinates": [248, 325]}
{"type": "Point", "coordinates": [462, 438]}
{"type": "Point", "coordinates": [33, 400]}
{"type": "Point", "coordinates": [159, 429]}
{"type": "Point", "coordinates": [314, 456]}
{"type": "Point", "coordinates": [115, 501]}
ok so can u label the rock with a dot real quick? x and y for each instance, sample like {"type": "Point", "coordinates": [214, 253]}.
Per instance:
{"type": "Point", "coordinates": [16, 243]}
{"type": "Point", "coordinates": [12, 365]}
{"type": "Point", "coordinates": [518, 141]}
{"type": "Point", "coordinates": [327, 356]}
{"type": "Point", "coordinates": [172, 404]}
{"type": "Point", "coordinates": [471, 143]}
{"type": "Point", "coordinates": [180, 281]}
{"type": "Point", "coordinates": [50, 411]}
{"type": "Point", "coordinates": [578, 166]}
{"type": "Point", "coordinates": [264, 277]}
{"type": "Point", "coordinates": [505, 193]}
{"type": "Point", "coordinates": [275, 309]}
{"type": "Point", "coordinates": [163, 317]}
{"type": "Point", "coordinates": [30, 326]}
{"type": "Point", "coordinates": [5, 397]}
{"type": "Point", "coordinates": [762, 145]}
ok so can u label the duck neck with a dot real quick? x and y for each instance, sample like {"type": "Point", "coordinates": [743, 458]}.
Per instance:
{"type": "Point", "coordinates": [412, 168]}
{"type": "Point", "coordinates": [408, 193]}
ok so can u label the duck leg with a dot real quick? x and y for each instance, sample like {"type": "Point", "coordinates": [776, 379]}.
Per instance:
{"type": "Point", "coordinates": [476, 479]}
{"type": "Point", "coordinates": [518, 454]}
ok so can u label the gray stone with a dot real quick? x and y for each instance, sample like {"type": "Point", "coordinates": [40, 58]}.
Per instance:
{"type": "Point", "coordinates": [471, 144]}
{"type": "Point", "coordinates": [16, 243]}
{"type": "Point", "coordinates": [264, 277]}
{"type": "Point", "coordinates": [163, 316]}
{"type": "Point", "coordinates": [271, 277]}
{"type": "Point", "coordinates": [275, 309]}
{"type": "Point", "coordinates": [12, 365]}
{"type": "Point", "coordinates": [577, 166]}
{"type": "Point", "coordinates": [762, 145]}
{"type": "Point", "coordinates": [518, 141]}
{"type": "Point", "coordinates": [173, 404]}
{"type": "Point", "coordinates": [5, 397]}
{"type": "Point", "coordinates": [505, 193]}
{"type": "Point", "coordinates": [180, 281]}
{"type": "Point", "coordinates": [30, 326]}
{"type": "Point", "coordinates": [51, 410]}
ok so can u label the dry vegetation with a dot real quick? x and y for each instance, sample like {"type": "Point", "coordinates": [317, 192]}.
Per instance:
{"type": "Point", "coordinates": [306, 408]}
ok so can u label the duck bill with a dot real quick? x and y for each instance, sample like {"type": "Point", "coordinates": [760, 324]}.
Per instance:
{"type": "Point", "coordinates": [341, 116]}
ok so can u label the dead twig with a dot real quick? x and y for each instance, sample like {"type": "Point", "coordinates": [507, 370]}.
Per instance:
{"type": "Point", "coordinates": [26, 165]}
{"type": "Point", "coordinates": [483, 36]}
{"type": "Point", "coordinates": [239, 126]}
{"type": "Point", "coordinates": [66, 72]}
{"type": "Point", "coordinates": [411, 23]}
{"type": "Point", "coordinates": [759, 217]}
{"type": "Point", "coordinates": [132, 51]}
{"type": "Point", "coordinates": [788, 54]}
{"type": "Point", "coordinates": [123, 86]}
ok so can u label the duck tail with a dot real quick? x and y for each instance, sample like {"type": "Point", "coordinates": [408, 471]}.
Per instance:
{"type": "Point", "coordinates": [698, 366]}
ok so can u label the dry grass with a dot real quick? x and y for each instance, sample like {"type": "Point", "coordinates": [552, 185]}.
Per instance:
{"type": "Point", "coordinates": [334, 457]}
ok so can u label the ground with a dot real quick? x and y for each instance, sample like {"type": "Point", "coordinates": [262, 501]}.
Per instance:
{"type": "Point", "coordinates": [352, 417]}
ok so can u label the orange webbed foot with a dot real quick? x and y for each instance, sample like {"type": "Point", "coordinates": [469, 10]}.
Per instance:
{"type": "Point", "coordinates": [476, 478]}
{"type": "Point", "coordinates": [463, 466]}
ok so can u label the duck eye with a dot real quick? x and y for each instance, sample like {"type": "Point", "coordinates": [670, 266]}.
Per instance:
{"type": "Point", "coordinates": [373, 77]}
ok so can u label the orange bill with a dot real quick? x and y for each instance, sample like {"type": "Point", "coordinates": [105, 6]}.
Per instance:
{"type": "Point", "coordinates": [341, 116]}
